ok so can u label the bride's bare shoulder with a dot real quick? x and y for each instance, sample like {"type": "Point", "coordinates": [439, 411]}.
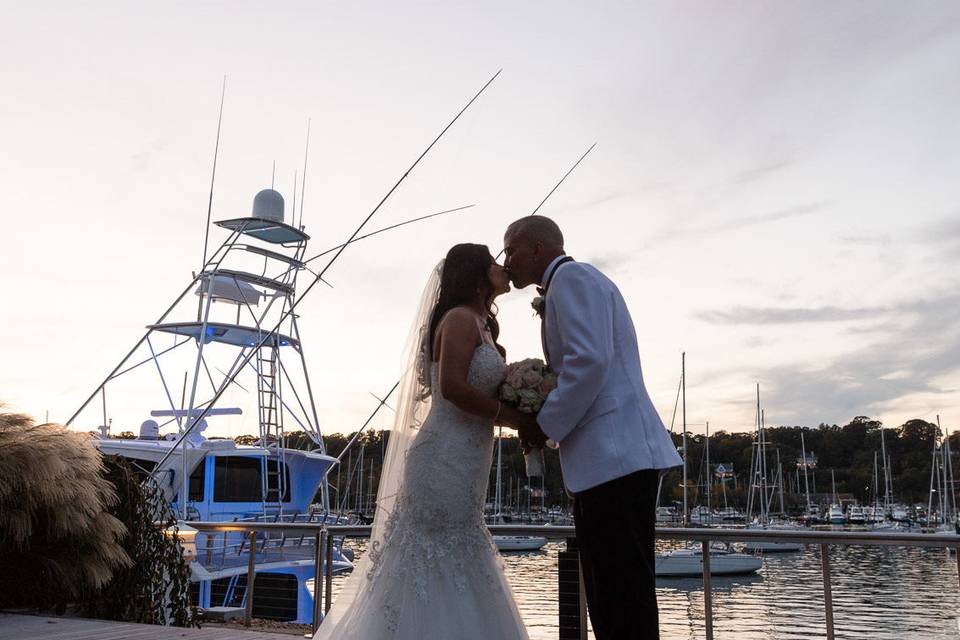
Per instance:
{"type": "Point", "coordinates": [459, 320]}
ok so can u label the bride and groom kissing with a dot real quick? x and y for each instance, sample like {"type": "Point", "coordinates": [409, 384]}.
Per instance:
{"type": "Point", "coordinates": [432, 569]}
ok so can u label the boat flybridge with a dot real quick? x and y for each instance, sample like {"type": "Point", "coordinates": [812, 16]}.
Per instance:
{"type": "Point", "coordinates": [231, 359]}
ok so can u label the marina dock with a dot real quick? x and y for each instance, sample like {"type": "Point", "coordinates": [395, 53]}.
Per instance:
{"type": "Point", "coordinates": [25, 627]}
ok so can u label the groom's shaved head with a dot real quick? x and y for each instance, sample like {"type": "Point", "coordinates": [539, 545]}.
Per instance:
{"type": "Point", "coordinates": [530, 244]}
{"type": "Point", "coordinates": [537, 229]}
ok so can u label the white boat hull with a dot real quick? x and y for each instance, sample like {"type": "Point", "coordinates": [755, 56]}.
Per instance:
{"type": "Point", "coordinates": [689, 563]}
{"type": "Point", "coordinates": [772, 547]}
{"type": "Point", "coordinates": [519, 543]}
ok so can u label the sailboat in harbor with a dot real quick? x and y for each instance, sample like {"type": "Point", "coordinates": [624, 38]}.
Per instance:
{"type": "Point", "coordinates": [835, 514]}
{"type": "Point", "coordinates": [942, 498]}
{"type": "Point", "coordinates": [504, 542]}
{"type": "Point", "coordinates": [688, 561]}
{"type": "Point", "coordinates": [761, 494]}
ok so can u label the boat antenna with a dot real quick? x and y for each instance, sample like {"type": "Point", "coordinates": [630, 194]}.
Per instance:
{"type": "Point", "coordinates": [556, 186]}
{"type": "Point", "coordinates": [293, 218]}
{"type": "Point", "coordinates": [273, 174]}
{"type": "Point", "coordinates": [213, 174]}
{"type": "Point", "coordinates": [267, 335]}
{"type": "Point", "coordinates": [303, 185]}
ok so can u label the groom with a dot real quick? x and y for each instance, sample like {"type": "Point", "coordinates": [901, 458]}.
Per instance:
{"type": "Point", "coordinates": [612, 442]}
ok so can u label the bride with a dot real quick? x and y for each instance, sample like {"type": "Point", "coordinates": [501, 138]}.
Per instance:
{"type": "Point", "coordinates": [432, 570]}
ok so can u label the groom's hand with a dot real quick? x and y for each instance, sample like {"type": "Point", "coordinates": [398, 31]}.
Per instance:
{"type": "Point", "coordinates": [531, 435]}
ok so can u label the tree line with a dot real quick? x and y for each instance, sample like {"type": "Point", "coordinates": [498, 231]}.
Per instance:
{"type": "Point", "coordinates": [847, 451]}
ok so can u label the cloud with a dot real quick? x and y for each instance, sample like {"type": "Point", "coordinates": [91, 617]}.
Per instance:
{"type": "Point", "coordinates": [761, 172]}
{"type": "Point", "coordinates": [766, 218]}
{"type": "Point", "coordinates": [788, 315]}
{"type": "Point", "coordinates": [907, 361]}
{"type": "Point", "coordinates": [674, 232]}
{"type": "Point", "coordinates": [610, 263]}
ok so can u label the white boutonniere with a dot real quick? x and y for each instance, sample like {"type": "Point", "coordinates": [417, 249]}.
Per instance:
{"type": "Point", "coordinates": [539, 305]}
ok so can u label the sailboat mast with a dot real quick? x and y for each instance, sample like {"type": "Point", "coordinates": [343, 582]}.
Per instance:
{"type": "Point", "coordinates": [876, 487]}
{"type": "Point", "coordinates": [933, 477]}
{"type": "Point", "coordinates": [709, 475]}
{"type": "Point", "coordinates": [947, 493]}
{"type": "Point", "coordinates": [806, 484]}
{"type": "Point", "coordinates": [783, 510]}
{"type": "Point", "coordinates": [765, 504]}
{"type": "Point", "coordinates": [497, 507]}
{"type": "Point", "coordinates": [887, 488]}
{"type": "Point", "coordinates": [683, 384]}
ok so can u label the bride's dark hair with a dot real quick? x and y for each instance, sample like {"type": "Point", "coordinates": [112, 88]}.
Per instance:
{"type": "Point", "coordinates": [465, 274]}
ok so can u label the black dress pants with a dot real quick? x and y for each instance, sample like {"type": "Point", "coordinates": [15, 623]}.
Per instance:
{"type": "Point", "coordinates": [615, 524]}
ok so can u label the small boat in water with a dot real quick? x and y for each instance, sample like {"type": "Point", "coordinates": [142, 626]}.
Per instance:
{"type": "Point", "coordinates": [765, 546]}
{"type": "Point", "coordinates": [519, 543]}
{"type": "Point", "coordinates": [688, 562]}
{"type": "Point", "coordinates": [835, 515]}
{"type": "Point", "coordinates": [856, 515]}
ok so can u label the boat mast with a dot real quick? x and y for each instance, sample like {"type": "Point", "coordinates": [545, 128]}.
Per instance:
{"type": "Point", "coordinates": [887, 488]}
{"type": "Point", "coordinates": [497, 508]}
{"type": "Point", "coordinates": [709, 475]}
{"type": "Point", "coordinates": [683, 384]}
{"type": "Point", "coordinates": [934, 476]}
{"type": "Point", "coordinates": [876, 488]}
{"type": "Point", "coordinates": [783, 511]}
{"type": "Point", "coordinates": [833, 482]}
{"type": "Point", "coordinates": [806, 484]}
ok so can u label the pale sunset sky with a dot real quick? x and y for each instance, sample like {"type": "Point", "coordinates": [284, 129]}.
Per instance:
{"type": "Point", "coordinates": [775, 186]}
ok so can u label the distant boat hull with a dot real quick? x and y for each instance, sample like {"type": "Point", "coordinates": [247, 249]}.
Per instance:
{"type": "Point", "coordinates": [519, 543]}
{"type": "Point", "coordinates": [688, 563]}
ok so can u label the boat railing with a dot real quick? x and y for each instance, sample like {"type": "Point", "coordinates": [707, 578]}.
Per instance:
{"type": "Point", "coordinates": [572, 609]}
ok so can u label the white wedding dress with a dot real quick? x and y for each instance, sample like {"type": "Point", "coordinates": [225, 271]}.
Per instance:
{"type": "Point", "coordinates": [436, 573]}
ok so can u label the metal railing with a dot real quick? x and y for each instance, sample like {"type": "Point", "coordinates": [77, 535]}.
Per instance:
{"type": "Point", "coordinates": [324, 536]}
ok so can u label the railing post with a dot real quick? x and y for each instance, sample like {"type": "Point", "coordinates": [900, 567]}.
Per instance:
{"type": "Point", "coordinates": [210, 535]}
{"type": "Point", "coordinates": [957, 549]}
{"type": "Point", "coordinates": [572, 599]}
{"type": "Point", "coordinates": [707, 590]}
{"type": "Point", "coordinates": [321, 543]}
{"type": "Point", "coordinates": [223, 556]}
{"type": "Point", "coordinates": [328, 572]}
{"type": "Point", "coordinates": [252, 559]}
{"type": "Point", "coordinates": [827, 588]}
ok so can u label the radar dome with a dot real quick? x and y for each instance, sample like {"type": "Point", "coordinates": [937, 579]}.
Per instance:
{"type": "Point", "coordinates": [268, 204]}
{"type": "Point", "coordinates": [149, 430]}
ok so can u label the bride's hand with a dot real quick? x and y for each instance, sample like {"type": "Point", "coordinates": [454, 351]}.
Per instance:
{"type": "Point", "coordinates": [510, 417]}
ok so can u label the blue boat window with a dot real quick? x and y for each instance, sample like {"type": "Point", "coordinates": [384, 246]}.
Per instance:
{"type": "Point", "coordinates": [274, 595]}
{"type": "Point", "coordinates": [239, 479]}
{"type": "Point", "coordinates": [197, 481]}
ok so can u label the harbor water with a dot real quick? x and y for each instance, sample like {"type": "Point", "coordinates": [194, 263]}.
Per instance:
{"type": "Point", "coordinates": [879, 593]}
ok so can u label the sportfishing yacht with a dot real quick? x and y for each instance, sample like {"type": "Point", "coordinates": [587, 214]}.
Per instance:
{"type": "Point", "coordinates": [238, 339]}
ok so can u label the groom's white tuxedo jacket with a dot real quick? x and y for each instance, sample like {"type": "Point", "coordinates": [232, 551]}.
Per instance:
{"type": "Point", "coordinates": [600, 412]}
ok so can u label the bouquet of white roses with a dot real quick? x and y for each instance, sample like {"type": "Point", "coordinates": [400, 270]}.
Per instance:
{"type": "Point", "coordinates": [525, 387]}
{"type": "Point", "coordinates": [527, 384]}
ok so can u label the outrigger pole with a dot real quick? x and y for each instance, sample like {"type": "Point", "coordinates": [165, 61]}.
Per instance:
{"type": "Point", "coordinates": [383, 401]}
{"type": "Point", "coordinates": [213, 175]}
{"type": "Point", "coordinates": [556, 186]}
{"type": "Point", "coordinates": [194, 420]}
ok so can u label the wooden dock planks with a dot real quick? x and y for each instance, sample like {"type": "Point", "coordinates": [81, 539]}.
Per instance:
{"type": "Point", "coordinates": [24, 627]}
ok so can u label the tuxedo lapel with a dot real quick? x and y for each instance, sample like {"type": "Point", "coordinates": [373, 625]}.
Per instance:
{"type": "Point", "coordinates": [543, 316]}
